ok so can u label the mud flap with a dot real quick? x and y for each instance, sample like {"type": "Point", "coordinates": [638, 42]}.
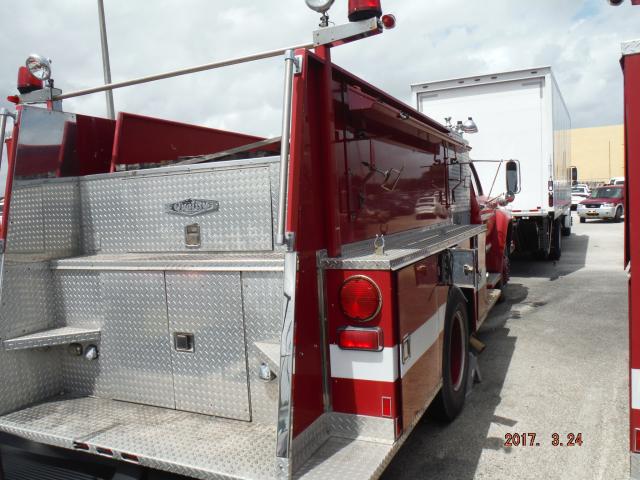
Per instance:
{"type": "Point", "coordinates": [474, 372]}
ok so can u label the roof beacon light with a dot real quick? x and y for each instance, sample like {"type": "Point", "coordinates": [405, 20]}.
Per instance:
{"type": "Point", "coordinates": [320, 6]}
{"type": "Point", "coordinates": [364, 9]}
{"type": "Point", "coordinates": [39, 67]}
{"type": "Point", "coordinates": [27, 82]}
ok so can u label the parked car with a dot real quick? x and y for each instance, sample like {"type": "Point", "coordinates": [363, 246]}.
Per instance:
{"type": "Point", "coordinates": [425, 207]}
{"type": "Point", "coordinates": [603, 202]}
{"type": "Point", "coordinates": [616, 181]}
{"type": "Point", "coordinates": [578, 193]}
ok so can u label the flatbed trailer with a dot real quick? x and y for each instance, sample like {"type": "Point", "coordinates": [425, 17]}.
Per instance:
{"type": "Point", "coordinates": [184, 302]}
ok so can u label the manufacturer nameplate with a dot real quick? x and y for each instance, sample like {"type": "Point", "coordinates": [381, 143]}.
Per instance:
{"type": "Point", "coordinates": [192, 207]}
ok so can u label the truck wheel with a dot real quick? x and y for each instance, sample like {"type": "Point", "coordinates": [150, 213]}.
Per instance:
{"type": "Point", "coordinates": [556, 241]}
{"type": "Point", "coordinates": [566, 231]}
{"type": "Point", "coordinates": [583, 220]}
{"type": "Point", "coordinates": [455, 356]}
{"type": "Point", "coordinates": [618, 216]}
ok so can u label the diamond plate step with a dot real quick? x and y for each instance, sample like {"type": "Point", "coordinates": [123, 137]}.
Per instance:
{"type": "Point", "coordinates": [53, 337]}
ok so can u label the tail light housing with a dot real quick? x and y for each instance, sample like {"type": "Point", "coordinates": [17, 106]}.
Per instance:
{"type": "Point", "coordinates": [364, 9]}
{"type": "Point", "coordinates": [27, 82]}
{"type": "Point", "coordinates": [353, 338]}
{"type": "Point", "coordinates": [360, 298]}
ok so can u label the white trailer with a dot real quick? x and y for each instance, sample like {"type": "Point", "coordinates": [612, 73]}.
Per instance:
{"type": "Point", "coordinates": [520, 115]}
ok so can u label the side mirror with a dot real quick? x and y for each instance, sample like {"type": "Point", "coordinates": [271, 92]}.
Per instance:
{"type": "Point", "coordinates": [513, 177]}
{"type": "Point", "coordinates": [509, 197]}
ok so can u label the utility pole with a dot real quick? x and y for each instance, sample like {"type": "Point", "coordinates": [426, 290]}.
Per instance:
{"type": "Point", "coordinates": [106, 66]}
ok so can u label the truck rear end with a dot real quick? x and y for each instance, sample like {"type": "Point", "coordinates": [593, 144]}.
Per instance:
{"type": "Point", "coordinates": [631, 68]}
{"type": "Point", "coordinates": [183, 301]}
{"type": "Point", "coordinates": [520, 116]}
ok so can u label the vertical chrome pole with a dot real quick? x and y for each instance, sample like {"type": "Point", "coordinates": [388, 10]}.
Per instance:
{"type": "Point", "coordinates": [106, 65]}
{"type": "Point", "coordinates": [289, 59]}
{"type": "Point", "coordinates": [4, 113]}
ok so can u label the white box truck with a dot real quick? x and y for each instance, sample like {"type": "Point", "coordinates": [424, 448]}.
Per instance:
{"type": "Point", "coordinates": [520, 115]}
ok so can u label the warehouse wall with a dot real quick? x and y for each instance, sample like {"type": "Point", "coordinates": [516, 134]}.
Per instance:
{"type": "Point", "coordinates": [598, 152]}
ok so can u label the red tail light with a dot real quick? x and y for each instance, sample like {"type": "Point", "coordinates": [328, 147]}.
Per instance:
{"type": "Point", "coordinates": [351, 338]}
{"type": "Point", "coordinates": [27, 82]}
{"type": "Point", "coordinates": [360, 298]}
{"type": "Point", "coordinates": [364, 9]}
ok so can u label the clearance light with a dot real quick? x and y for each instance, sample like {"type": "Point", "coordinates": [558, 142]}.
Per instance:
{"type": "Point", "coordinates": [369, 339]}
{"type": "Point", "coordinates": [360, 298]}
{"type": "Point", "coordinates": [388, 21]}
{"type": "Point", "coordinates": [364, 9]}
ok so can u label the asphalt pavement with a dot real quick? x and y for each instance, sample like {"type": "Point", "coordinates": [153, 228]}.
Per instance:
{"type": "Point", "coordinates": [555, 363]}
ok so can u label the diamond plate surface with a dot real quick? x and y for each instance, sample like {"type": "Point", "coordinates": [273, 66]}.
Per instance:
{"type": "Point", "coordinates": [196, 261]}
{"type": "Point", "coordinates": [631, 47]}
{"type": "Point", "coordinates": [402, 248]}
{"type": "Point", "coordinates": [213, 378]}
{"type": "Point", "coordinates": [61, 206]}
{"type": "Point", "coordinates": [308, 442]}
{"type": "Point", "coordinates": [104, 216]}
{"type": "Point", "coordinates": [373, 429]}
{"type": "Point", "coordinates": [343, 458]}
{"type": "Point", "coordinates": [25, 232]}
{"type": "Point", "coordinates": [27, 301]}
{"type": "Point", "coordinates": [53, 337]}
{"type": "Point", "coordinates": [28, 376]}
{"type": "Point", "coordinates": [183, 443]}
{"type": "Point", "coordinates": [135, 359]}
{"type": "Point", "coordinates": [243, 221]}
{"type": "Point", "coordinates": [262, 301]}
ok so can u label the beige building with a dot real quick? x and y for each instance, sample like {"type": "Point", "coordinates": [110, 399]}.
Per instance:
{"type": "Point", "coordinates": [598, 152]}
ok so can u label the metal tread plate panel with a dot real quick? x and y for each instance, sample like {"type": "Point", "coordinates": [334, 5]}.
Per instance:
{"type": "Point", "coordinates": [52, 337]}
{"type": "Point", "coordinates": [135, 353]}
{"type": "Point", "coordinates": [184, 443]}
{"type": "Point", "coordinates": [402, 249]}
{"type": "Point", "coordinates": [211, 377]}
{"type": "Point", "coordinates": [346, 458]}
{"type": "Point", "coordinates": [248, 261]}
{"type": "Point", "coordinates": [631, 47]}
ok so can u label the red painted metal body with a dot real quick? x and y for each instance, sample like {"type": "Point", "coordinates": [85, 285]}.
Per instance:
{"type": "Point", "coordinates": [631, 65]}
{"type": "Point", "coordinates": [140, 139]}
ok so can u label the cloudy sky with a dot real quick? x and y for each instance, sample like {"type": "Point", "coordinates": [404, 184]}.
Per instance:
{"type": "Point", "coordinates": [435, 39]}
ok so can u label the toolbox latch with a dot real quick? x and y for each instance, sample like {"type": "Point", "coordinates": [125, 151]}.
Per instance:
{"type": "Point", "coordinates": [184, 342]}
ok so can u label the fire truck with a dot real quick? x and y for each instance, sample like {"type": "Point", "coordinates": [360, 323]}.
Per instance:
{"type": "Point", "coordinates": [185, 302]}
{"type": "Point", "coordinates": [631, 67]}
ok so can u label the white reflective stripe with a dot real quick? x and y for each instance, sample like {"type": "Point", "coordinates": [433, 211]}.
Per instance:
{"type": "Point", "coordinates": [424, 337]}
{"type": "Point", "coordinates": [359, 365]}
{"type": "Point", "coordinates": [635, 388]}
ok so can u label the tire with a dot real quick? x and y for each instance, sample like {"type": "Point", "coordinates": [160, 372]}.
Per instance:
{"type": "Point", "coordinates": [583, 220]}
{"type": "Point", "coordinates": [455, 359]}
{"type": "Point", "coordinates": [618, 217]}
{"type": "Point", "coordinates": [556, 241]}
{"type": "Point", "coordinates": [566, 231]}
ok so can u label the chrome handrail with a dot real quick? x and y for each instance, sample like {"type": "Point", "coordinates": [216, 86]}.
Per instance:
{"type": "Point", "coordinates": [183, 71]}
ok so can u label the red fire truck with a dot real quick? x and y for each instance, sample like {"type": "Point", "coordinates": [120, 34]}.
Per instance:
{"type": "Point", "coordinates": [185, 301]}
{"type": "Point", "coordinates": [631, 67]}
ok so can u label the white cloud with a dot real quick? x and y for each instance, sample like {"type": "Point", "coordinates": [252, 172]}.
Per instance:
{"type": "Point", "coordinates": [434, 40]}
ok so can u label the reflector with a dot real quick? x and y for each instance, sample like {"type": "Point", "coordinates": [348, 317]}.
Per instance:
{"type": "Point", "coordinates": [369, 339]}
{"type": "Point", "coordinates": [360, 298]}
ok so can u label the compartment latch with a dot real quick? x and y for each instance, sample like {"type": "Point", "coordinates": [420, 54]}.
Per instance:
{"type": "Point", "coordinates": [184, 342]}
